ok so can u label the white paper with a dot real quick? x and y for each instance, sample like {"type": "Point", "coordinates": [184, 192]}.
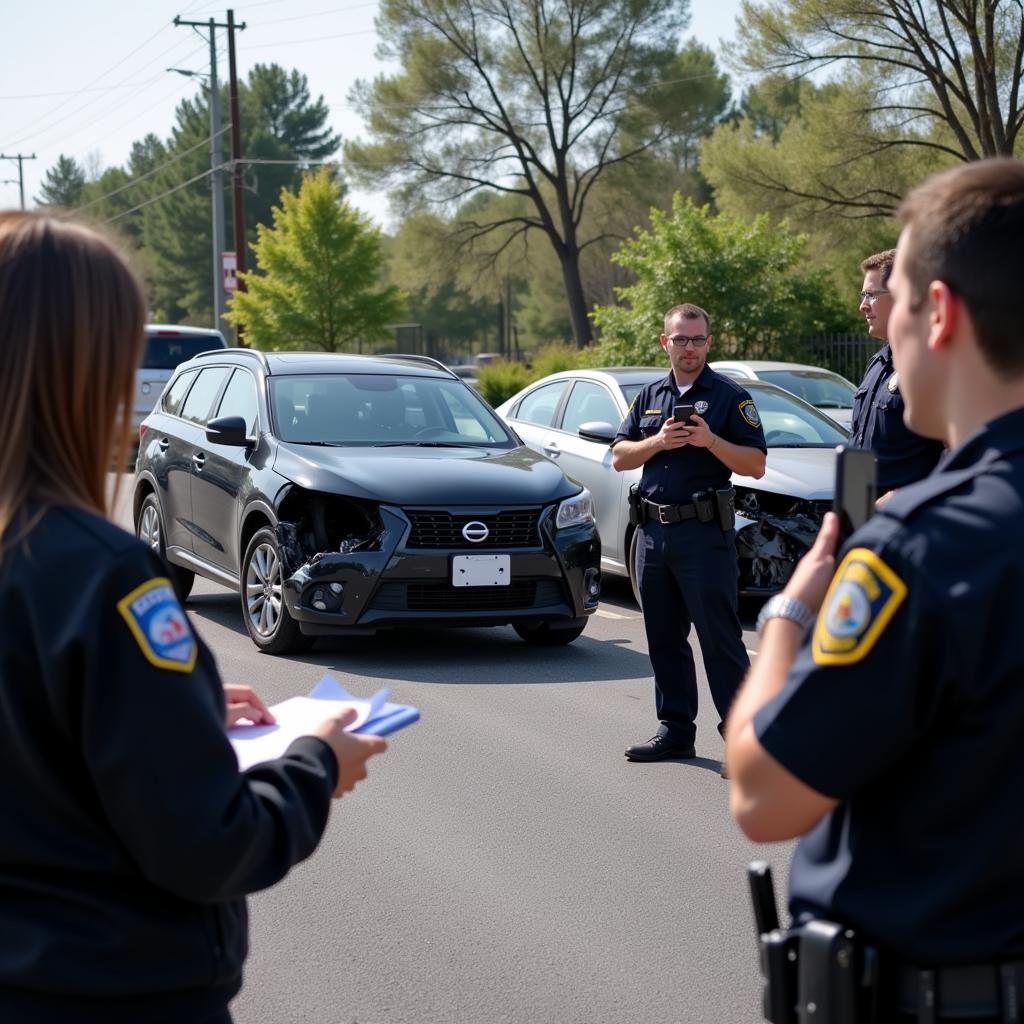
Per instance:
{"type": "Point", "coordinates": [296, 717]}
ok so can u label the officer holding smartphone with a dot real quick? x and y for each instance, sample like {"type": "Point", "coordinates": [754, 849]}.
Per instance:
{"type": "Point", "coordinates": [690, 432]}
{"type": "Point", "coordinates": [888, 737]}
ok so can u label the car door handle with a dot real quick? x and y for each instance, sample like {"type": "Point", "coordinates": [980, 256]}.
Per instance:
{"type": "Point", "coordinates": [165, 443]}
{"type": "Point", "coordinates": [551, 449]}
{"type": "Point", "coordinates": [199, 459]}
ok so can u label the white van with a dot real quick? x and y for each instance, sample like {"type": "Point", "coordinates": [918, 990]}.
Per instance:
{"type": "Point", "coordinates": [167, 345]}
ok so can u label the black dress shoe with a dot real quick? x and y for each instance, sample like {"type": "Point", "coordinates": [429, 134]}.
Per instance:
{"type": "Point", "coordinates": [660, 748]}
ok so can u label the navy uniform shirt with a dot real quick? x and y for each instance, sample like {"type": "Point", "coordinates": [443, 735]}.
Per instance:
{"type": "Point", "coordinates": [903, 456]}
{"type": "Point", "coordinates": [672, 477]}
{"type": "Point", "coordinates": [906, 702]}
{"type": "Point", "coordinates": [129, 836]}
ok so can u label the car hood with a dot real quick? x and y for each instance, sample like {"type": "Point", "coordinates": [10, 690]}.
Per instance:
{"type": "Point", "coordinates": [427, 476]}
{"type": "Point", "coordinates": [802, 472]}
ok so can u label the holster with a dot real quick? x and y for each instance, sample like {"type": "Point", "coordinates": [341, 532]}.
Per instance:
{"type": "Point", "coordinates": [725, 500]}
{"type": "Point", "coordinates": [703, 502]}
{"type": "Point", "coordinates": [635, 503]}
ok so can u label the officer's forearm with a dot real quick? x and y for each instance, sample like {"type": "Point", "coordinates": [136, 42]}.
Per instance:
{"type": "Point", "coordinates": [739, 458]}
{"type": "Point", "coordinates": [768, 802]}
{"type": "Point", "coordinates": [633, 454]}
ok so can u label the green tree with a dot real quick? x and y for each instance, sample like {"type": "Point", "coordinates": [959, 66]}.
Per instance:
{"type": "Point", "coordinates": [318, 280]}
{"type": "Point", "coordinates": [534, 99]}
{"type": "Point", "coordinates": [749, 276]}
{"type": "Point", "coordinates": [916, 85]}
{"type": "Point", "coordinates": [63, 184]}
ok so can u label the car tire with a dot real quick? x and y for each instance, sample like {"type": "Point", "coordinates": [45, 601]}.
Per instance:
{"type": "Point", "coordinates": [546, 635]}
{"type": "Point", "coordinates": [266, 616]}
{"type": "Point", "coordinates": [149, 528]}
{"type": "Point", "coordinates": [634, 571]}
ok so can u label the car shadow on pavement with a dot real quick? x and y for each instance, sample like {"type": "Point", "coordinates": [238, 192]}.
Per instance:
{"type": "Point", "coordinates": [476, 655]}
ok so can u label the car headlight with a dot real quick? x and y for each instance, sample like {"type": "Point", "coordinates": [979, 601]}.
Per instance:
{"type": "Point", "coordinates": [575, 511]}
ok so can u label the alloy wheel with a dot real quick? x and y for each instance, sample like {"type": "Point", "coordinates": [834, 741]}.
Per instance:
{"type": "Point", "coordinates": [263, 590]}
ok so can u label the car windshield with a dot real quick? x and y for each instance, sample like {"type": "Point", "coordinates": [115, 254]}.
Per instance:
{"type": "Point", "coordinates": [381, 409]}
{"type": "Point", "coordinates": [790, 423]}
{"type": "Point", "coordinates": [166, 351]}
{"type": "Point", "coordinates": [819, 387]}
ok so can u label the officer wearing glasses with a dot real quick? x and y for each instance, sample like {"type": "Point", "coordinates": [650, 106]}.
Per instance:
{"type": "Point", "coordinates": [903, 456]}
{"type": "Point", "coordinates": [687, 565]}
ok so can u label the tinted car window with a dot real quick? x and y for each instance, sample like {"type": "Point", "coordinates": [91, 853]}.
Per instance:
{"type": "Point", "coordinates": [240, 400]}
{"type": "Point", "coordinates": [367, 409]}
{"type": "Point", "coordinates": [587, 403]}
{"type": "Point", "coordinates": [166, 351]}
{"type": "Point", "coordinates": [824, 390]}
{"type": "Point", "coordinates": [174, 395]}
{"type": "Point", "coordinates": [539, 406]}
{"type": "Point", "coordinates": [200, 399]}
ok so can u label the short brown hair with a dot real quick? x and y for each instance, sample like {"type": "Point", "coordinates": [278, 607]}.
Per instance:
{"type": "Point", "coordinates": [688, 311]}
{"type": "Point", "coordinates": [880, 261]}
{"type": "Point", "coordinates": [966, 229]}
{"type": "Point", "coordinates": [71, 329]}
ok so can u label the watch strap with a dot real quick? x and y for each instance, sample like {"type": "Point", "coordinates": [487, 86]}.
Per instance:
{"type": "Point", "coordinates": [781, 606]}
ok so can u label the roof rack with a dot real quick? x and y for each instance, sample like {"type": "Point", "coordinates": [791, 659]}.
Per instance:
{"type": "Point", "coordinates": [259, 356]}
{"type": "Point", "coordinates": [428, 360]}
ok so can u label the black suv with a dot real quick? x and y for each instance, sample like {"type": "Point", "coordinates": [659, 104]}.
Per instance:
{"type": "Point", "coordinates": [346, 494]}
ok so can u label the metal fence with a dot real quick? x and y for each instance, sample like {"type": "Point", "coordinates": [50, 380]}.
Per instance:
{"type": "Point", "coordinates": [846, 354]}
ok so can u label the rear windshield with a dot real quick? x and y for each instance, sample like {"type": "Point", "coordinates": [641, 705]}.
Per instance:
{"type": "Point", "coordinates": [166, 351]}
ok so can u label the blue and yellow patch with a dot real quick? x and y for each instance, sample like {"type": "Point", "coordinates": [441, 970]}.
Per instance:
{"type": "Point", "coordinates": [749, 412]}
{"type": "Point", "coordinates": [862, 598]}
{"type": "Point", "coordinates": [159, 625]}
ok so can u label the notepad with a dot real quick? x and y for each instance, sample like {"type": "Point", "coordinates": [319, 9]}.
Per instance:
{"type": "Point", "coordinates": [298, 715]}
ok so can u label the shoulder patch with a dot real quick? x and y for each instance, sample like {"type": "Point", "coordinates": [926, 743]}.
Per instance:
{"type": "Point", "coordinates": [862, 598]}
{"type": "Point", "coordinates": [159, 625]}
{"type": "Point", "coordinates": [749, 412]}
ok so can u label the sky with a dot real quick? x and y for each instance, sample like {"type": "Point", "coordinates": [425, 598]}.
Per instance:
{"type": "Point", "coordinates": [87, 78]}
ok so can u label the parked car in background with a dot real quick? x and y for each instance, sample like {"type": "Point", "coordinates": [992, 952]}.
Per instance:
{"type": "Point", "coordinates": [571, 417]}
{"type": "Point", "coordinates": [825, 390]}
{"type": "Point", "coordinates": [345, 494]}
{"type": "Point", "coordinates": [167, 346]}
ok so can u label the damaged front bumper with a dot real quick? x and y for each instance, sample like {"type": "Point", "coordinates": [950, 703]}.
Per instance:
{"type": "Point", "coordinates": [773, 532]}
{"type": "Point", "coordinates": [356, 568]}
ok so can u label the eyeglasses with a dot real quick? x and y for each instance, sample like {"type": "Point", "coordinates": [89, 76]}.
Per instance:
{"type": "Point", "coordinates": [872, 295]}
{"type": "Point", "coordinates": [696, 340]}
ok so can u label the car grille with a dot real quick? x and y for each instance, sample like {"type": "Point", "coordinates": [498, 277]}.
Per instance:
{"type": "Point", "coordinates": [441, 596]}
{"type": "Point", "coordinates": [516, 528]}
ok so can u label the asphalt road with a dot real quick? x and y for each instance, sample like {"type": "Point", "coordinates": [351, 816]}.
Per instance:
{"type": "Point", "coordinates": [504, 862]}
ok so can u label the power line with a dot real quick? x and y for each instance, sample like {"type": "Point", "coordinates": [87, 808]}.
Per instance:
{"type": "Point", "coordinates": [163, 195]}
{"type": "Point", "coordinates": [152, 171]}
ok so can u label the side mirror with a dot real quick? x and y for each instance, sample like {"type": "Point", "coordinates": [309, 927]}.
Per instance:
{"type": "Point", "coordinates": [228, 430]}
{"type": "Point", "coordinates": [597, 430]}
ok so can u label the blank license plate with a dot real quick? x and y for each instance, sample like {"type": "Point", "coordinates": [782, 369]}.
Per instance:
{"type": "Point", "coordinates": [481, 571]}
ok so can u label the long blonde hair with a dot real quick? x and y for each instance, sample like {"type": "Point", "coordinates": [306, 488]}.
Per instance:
{"type": "Point", "coordinates": [71, 330]}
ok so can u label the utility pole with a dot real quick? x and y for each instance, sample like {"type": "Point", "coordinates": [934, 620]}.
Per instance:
{"type": "Point", "coordinates": [216, 161]}
{"type": "Point", "coordinates": [20, 157]}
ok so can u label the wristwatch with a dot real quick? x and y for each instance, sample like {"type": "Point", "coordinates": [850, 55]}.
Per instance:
{"type": "Point", "coordinates": [782, 607]}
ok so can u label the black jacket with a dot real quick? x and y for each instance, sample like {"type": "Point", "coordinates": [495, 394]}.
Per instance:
{"type": "Point", "coordinates": [129, 838]}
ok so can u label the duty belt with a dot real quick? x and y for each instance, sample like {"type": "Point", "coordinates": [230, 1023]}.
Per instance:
{"type": "Point", "coordinates": [979, 990]}
{"type": "Point", "coordinates": [666, 514]}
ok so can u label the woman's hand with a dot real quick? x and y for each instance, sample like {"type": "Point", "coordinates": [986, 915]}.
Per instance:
{"type": "Point", "coordinates": [351, 750]}
{"type": "Point", "coordinates": [243, 702]}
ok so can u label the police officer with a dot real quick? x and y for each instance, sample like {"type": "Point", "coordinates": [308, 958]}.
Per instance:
{"type": "Point", "coordinates": [889, 736]}
{"type": "Point", "coordinates": [129, 837]}
{"type": "Point", "coordinates": [903, 455]}
{"type": "Point", "coordinates": [687, 566]}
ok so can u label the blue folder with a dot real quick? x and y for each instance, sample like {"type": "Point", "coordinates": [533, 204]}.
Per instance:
{"type": "Point", "coordinates": [390, 718]}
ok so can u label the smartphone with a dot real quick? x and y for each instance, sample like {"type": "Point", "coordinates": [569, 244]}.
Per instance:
{"type": "Point", "coordinates": [856, 488]}
{"type": "Point", "coordinates": [682, 412]}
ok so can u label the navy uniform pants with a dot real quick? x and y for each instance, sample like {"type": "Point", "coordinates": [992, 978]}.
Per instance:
{"type": "Point", "coordinates": [688, 574]}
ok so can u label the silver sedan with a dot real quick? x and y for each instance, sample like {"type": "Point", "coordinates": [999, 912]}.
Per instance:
{"type": "Point", "coordinates": [571, 417]}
